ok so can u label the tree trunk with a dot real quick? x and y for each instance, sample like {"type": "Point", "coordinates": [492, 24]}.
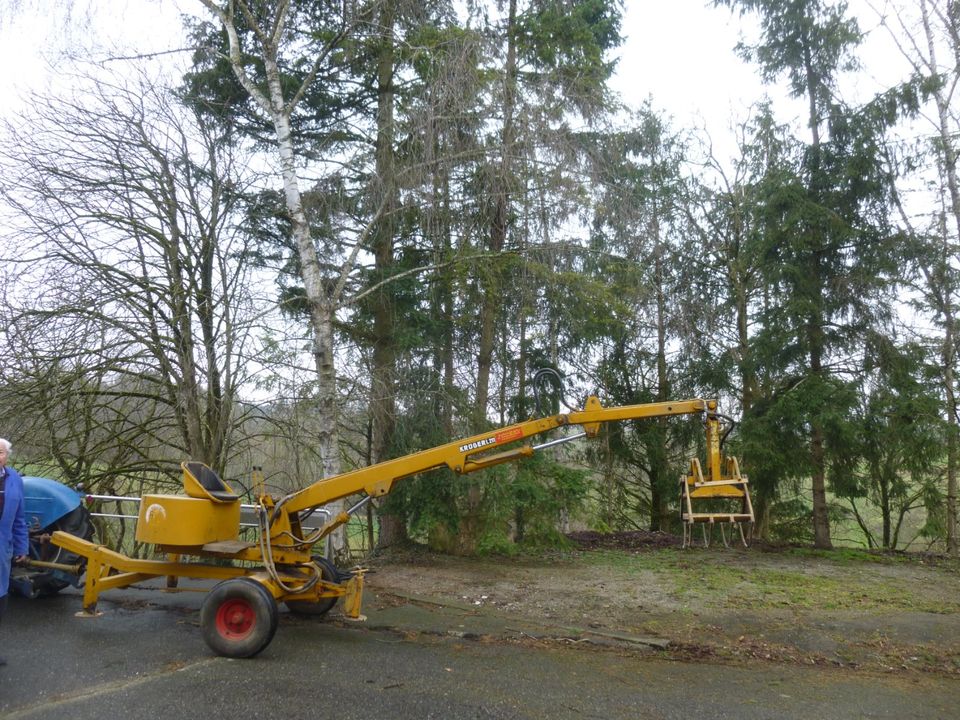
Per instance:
{"type": "Point", "coordinates": [498, 228]}
{"type": "Point", "coordinates": [447, 305]}
{"type": "Point", "coordinates": [821, 517]}
{"type": "Point", "coordinates": [748, 375]}
{"type": "Point", "coordinates": [383, 371]}
{"type": "Point", "coordinates": [949, 359]}
{"type": "Point", "coordinates": [949, 158]}
{"type": "Point", "coordinates": [321, 306]}
{"type": "Point", "coordinates": [659, 482]}
{"type": "Point", "coordinates": [885, 510]}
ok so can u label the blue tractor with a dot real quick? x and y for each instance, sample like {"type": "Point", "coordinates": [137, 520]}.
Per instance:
{"type": "Point", "coordinates": [51, 506]}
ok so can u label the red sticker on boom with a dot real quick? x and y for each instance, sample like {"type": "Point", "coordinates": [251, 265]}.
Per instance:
{"type": "Point", "coordinates": [508, 435]}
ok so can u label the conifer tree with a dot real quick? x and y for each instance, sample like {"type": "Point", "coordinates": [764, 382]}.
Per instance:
{"type": "Point", "coordinates": [823, 231]}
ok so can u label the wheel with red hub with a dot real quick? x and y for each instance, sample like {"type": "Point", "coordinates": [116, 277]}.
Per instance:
{"type": "Point", "coordinates": [238, 618]}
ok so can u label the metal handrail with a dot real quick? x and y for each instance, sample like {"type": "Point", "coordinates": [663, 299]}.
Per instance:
{"type": "Point", "coordinates": [122, 498]}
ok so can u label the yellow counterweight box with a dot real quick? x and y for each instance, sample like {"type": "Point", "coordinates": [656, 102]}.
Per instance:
{"type": "Point", "coordinates": [176, 520]}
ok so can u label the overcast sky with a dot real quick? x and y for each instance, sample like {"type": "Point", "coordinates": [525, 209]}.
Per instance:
{"type": "Point", "coordinates": [680, 53]}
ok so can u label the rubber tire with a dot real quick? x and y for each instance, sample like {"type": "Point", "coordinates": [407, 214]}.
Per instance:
{"type": "Point", "coordinates": [306, 608]}
{"type": "Point", "coordinates": [238, 618]}
{"type": "Point", "coordinates": [76, 522]}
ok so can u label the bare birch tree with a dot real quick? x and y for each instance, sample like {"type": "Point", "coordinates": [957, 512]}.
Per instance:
{"type": "Point", "coordinates": [927, 34]}
{"type": "Point", "coordinates": [275, 37]}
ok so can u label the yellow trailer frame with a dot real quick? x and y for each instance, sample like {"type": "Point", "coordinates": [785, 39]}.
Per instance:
{"type": "Point", "coordinates": [201, 529]}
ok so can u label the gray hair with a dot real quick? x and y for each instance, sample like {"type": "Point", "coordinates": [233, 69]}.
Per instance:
{"type": "Point", "coordinates": [6, 445]}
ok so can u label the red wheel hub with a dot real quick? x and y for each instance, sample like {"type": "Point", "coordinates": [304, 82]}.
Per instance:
{"type": "Point", "coordinates": [235, 619]}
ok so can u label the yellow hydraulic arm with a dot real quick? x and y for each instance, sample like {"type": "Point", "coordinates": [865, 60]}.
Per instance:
{"type": "Point", "coordinates": [238, 618]}
{"type": "Point", "coordinates": [718, 478]}
{"type": "Point", "coordinates": [474, 453]}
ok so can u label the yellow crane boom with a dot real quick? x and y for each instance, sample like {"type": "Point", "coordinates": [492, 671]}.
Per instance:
{"type": "Point", "coordinates": [239, 615]}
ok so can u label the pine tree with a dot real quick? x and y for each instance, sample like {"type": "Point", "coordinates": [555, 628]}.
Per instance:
{"type": "Point", "coordinates": [822, 249]}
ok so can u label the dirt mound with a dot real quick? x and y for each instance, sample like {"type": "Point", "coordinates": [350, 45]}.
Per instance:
{"type": "Point", "coordinates": [630, 540]}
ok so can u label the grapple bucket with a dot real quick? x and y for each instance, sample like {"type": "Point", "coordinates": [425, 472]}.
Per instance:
{"type": "Point", "coordinates": [719, 498]}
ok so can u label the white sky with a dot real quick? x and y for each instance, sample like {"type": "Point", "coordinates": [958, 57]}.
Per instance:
{"type": "Point", "coordinates": [680, 53]}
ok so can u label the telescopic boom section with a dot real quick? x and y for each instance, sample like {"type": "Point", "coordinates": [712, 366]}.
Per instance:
{"type": "Point", "coordinates": [475, 453]}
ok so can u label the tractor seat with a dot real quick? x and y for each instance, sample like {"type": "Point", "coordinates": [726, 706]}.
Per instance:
{"type": "Point", "coordinates": [201, 481]}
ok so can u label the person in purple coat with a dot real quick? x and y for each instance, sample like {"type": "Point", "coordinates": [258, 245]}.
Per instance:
{"type": "Point", "coordinates": [14, 541]}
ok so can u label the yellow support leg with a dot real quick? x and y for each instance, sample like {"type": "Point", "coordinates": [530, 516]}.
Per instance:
{"type": "Point", "coordinates": [353, 598]}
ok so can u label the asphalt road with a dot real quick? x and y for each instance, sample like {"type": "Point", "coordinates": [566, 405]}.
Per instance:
{"type": "Point", "coordinates": [145, 658]}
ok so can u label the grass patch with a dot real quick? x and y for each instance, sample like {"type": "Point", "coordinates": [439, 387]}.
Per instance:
{"type": "Point", "coordinates": [804, 580]}
{"type": "Point", "coordinates": [811, 592]}
{"type": "Point", "coordinates": [850, 556]}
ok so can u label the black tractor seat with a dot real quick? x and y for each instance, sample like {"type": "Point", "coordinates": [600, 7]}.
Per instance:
{"type": "Point", "coordinates": [200, 480]}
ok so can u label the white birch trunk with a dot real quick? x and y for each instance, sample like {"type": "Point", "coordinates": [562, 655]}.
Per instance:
{"type": "Point", "coordinates": [322, 307]}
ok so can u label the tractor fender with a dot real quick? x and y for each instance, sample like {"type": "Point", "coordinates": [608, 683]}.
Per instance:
{"type": "Point", "coordinates": [46, 501]}
{"type": "Point", "coordinates": [50, 506]}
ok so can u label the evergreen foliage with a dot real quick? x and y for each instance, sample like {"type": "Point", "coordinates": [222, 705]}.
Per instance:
{"type": "Point", "coordinates": [481, 208]}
